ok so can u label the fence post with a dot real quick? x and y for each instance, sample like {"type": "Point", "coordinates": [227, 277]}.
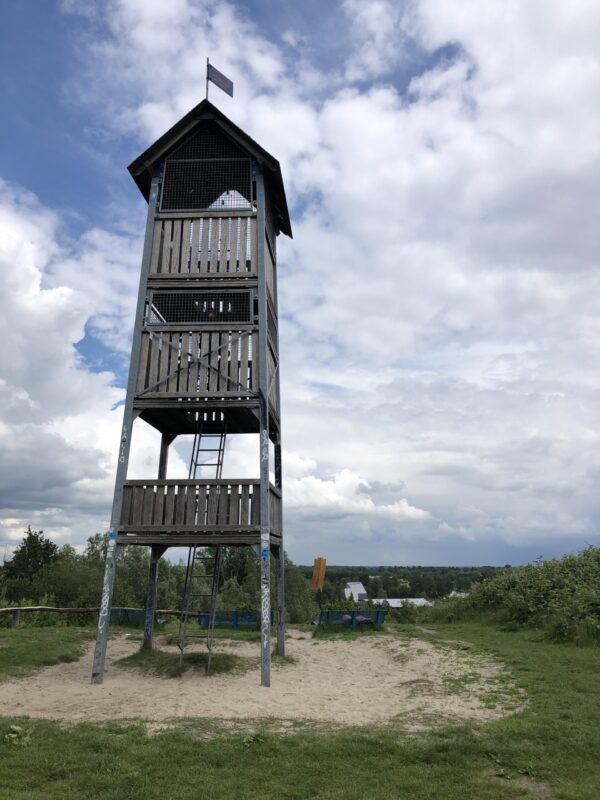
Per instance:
{"type": "Point", "coordinates": [15, 618]}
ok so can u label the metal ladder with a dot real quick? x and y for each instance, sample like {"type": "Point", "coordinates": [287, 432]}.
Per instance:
{"type": "Point", "coordinates": [204, 563]}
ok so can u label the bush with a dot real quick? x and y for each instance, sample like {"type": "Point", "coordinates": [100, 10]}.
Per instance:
{"type": "Point", "coordinates": [561, 597]}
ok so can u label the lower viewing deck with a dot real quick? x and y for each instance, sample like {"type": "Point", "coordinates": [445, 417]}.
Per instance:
{"type": "Point", "coordinates": [201, 512]}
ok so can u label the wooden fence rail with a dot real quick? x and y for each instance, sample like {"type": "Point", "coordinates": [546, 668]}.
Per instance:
{"type": "Point", "coordinates": [16, 611]}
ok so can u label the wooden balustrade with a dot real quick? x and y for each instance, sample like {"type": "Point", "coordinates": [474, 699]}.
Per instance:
{"type": "Point", "coordinates": [204, 246]}
{"type": "Point", "coordinates": [195, 505]}
{"type": "Point", "coordinates": [198, 364]}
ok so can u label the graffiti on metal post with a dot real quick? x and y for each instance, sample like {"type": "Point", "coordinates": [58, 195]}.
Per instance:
{"type": "Point", "coordinates": [103, 617]}
{"type": "Point", "coordinates": [265, 615]}
{"type": "Point", "coordinates": [123, 445]}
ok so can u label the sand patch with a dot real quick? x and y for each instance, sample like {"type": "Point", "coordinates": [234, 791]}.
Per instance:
{"type": "Point", "coordinates": [372, 680]}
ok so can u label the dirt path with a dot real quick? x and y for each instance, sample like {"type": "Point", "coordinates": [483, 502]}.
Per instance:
{"type": "Point", "coordinates": [375, 679]}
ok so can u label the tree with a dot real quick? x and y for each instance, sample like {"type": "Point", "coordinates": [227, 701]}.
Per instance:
{"type": "Point", "coordinates": [95, 549]}
{"type": "Point", "coordinates": [34, 553]}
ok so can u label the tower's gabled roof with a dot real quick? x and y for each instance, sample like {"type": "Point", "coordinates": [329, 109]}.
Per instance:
{"type": "Point", "coordinates": [143, 167]}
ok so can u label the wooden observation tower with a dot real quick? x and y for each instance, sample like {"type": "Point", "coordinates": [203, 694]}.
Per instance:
{"type": "Point", "coordinates": [204, 361]}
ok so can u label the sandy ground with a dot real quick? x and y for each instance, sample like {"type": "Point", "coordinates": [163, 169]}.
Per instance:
{"type": "Point", "coordinates": [376, 679]}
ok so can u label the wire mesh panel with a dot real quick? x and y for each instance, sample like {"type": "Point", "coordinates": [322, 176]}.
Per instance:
{"type": "Point", "coordinates": [201, 185]}
{"type": "Point", "coordinates": [207, 245]}
{"type": "Point", "coordinates": [185, 307]}
{"type": "Point", "coordinates": [207, 171]}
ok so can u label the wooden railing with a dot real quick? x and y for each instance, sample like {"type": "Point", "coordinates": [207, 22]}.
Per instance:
{"type": "Point", "coordinates": [198, 363]}
{"type": "Point", "coordinates": [195, 505]}
{"type": "Point", "coordinates": [204, 245]}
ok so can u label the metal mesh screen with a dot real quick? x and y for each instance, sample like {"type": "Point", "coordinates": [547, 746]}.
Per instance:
{"type": "Point", "coordinates": [208, 171]}
{"type": "Point", "coordinates": [194, 307]}
{"type": "Point", "coordinates": [209, 141]}
{"type": "Point", "coordinates": [203, 185]}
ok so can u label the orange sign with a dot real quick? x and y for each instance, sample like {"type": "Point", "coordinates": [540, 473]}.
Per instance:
{"type": "Point", "coordinates": [318, 576]}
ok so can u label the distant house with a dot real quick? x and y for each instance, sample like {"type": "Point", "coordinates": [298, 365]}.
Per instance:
{"type": "Point", "coordinates": [355, 591]}
{"type": "Point", "coordinates": [397, 602]}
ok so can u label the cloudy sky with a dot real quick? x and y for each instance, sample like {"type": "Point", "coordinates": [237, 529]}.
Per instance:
{"type": "Point", "coordinates": [440, 330]}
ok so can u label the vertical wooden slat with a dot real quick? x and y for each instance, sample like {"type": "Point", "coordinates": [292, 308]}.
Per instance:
{"type": "Point", "coordinates": [254, 385]}
{"type": "Point", "coordinates": [214, 245]}
{"type": "Point", "coordinates": [212, 358]}
{"type": "Point", "coordinates": [176, 254]}
{"type": "Point", "coordinates": [138, 499]}
{"type": "Point", "coordinates": [213, 500]}
{"type": "Point", "coordinates": [126, 507]}
{"type": "Point", "coordinates": [194, 250]}
{"type": "Point", "coordinates": [244, 342]}
{"type": "Point", "coordinates": [204, 344]}
{"type": "Point", "coordinates": [234, 363]}
{"type": "Point", "coordinates": [245, 505]}
{"type": "Point", "coordinates": [184, 258]}
{"type": "Point", "coordinates": [153, 368]}
{"type": "Point", "coordinates": [180, 499]}
{"type": "Point", "coordinates": [234, 505]}
{"type": "Point", "coordinates": [166, 245]}
{"type": "Point", "coordinates": [255, 507]}
{"type": "Point", "coordinates": [233, 245]}
{"type": "Point", "coordinates": [253, 244]}
{"type": "Point", "coordinates": [148, 506]}
{"type": "Point", "coordinates": [143, 368]}
{"type": "Point", "coordinates": [162, 363]}
{"type": "Point", "coordinates": [243, 243]}
{"type": "Point", "coordinates": [159, 501]}
{"type": "Point", "coordinates": [170, 506]}
{"type": "Point", "coordinates": [223, 505]}
{"type": "Point", "coordinates": [224, 363]}
{"type": "Point", "coordinates": [187, 363]}
{"type": "Point", "coordinates": [224, 255]}
{"type": "Point", "coordinates": [192, 382]}
{"type": "Point", "coordinates": [170, 362]}
{"type": "Point", "coordinates": [202, 504]}
{"type": "Point", "coordinates": [205, 244]}
{"type": "Point", "coordinates": [190, 513]}
{"type": "Point", "coordinates": [156, 248]}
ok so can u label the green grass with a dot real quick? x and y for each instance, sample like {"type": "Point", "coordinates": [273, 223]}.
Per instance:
{"type": "Point", "coordinates": [166, 665]}
{"type": "Point", "coordinates": [24, 651]}
{"type": "Point", "coordinates": [549, 750]}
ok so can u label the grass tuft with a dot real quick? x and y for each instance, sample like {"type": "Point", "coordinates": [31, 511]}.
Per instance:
{"type": "Point", "coordinates": [23, 651]}
{"type": "Point", "coordinates": [166, 665]}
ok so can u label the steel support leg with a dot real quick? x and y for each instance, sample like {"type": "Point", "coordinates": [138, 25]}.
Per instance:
{"type": "Point", "coordinates": [280, 602]}
{"type": "Point", "coordinates": [157, 552]}
{"type": "Point", "coordinates": [105, 608]}
{"type": "Point", "coordinates": [263, 388]}
{"type": "Point", "coordinates": [129, 415]}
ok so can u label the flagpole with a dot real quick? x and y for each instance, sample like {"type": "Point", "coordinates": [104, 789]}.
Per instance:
{"type": "Point", "coordinates": [207, 78]}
